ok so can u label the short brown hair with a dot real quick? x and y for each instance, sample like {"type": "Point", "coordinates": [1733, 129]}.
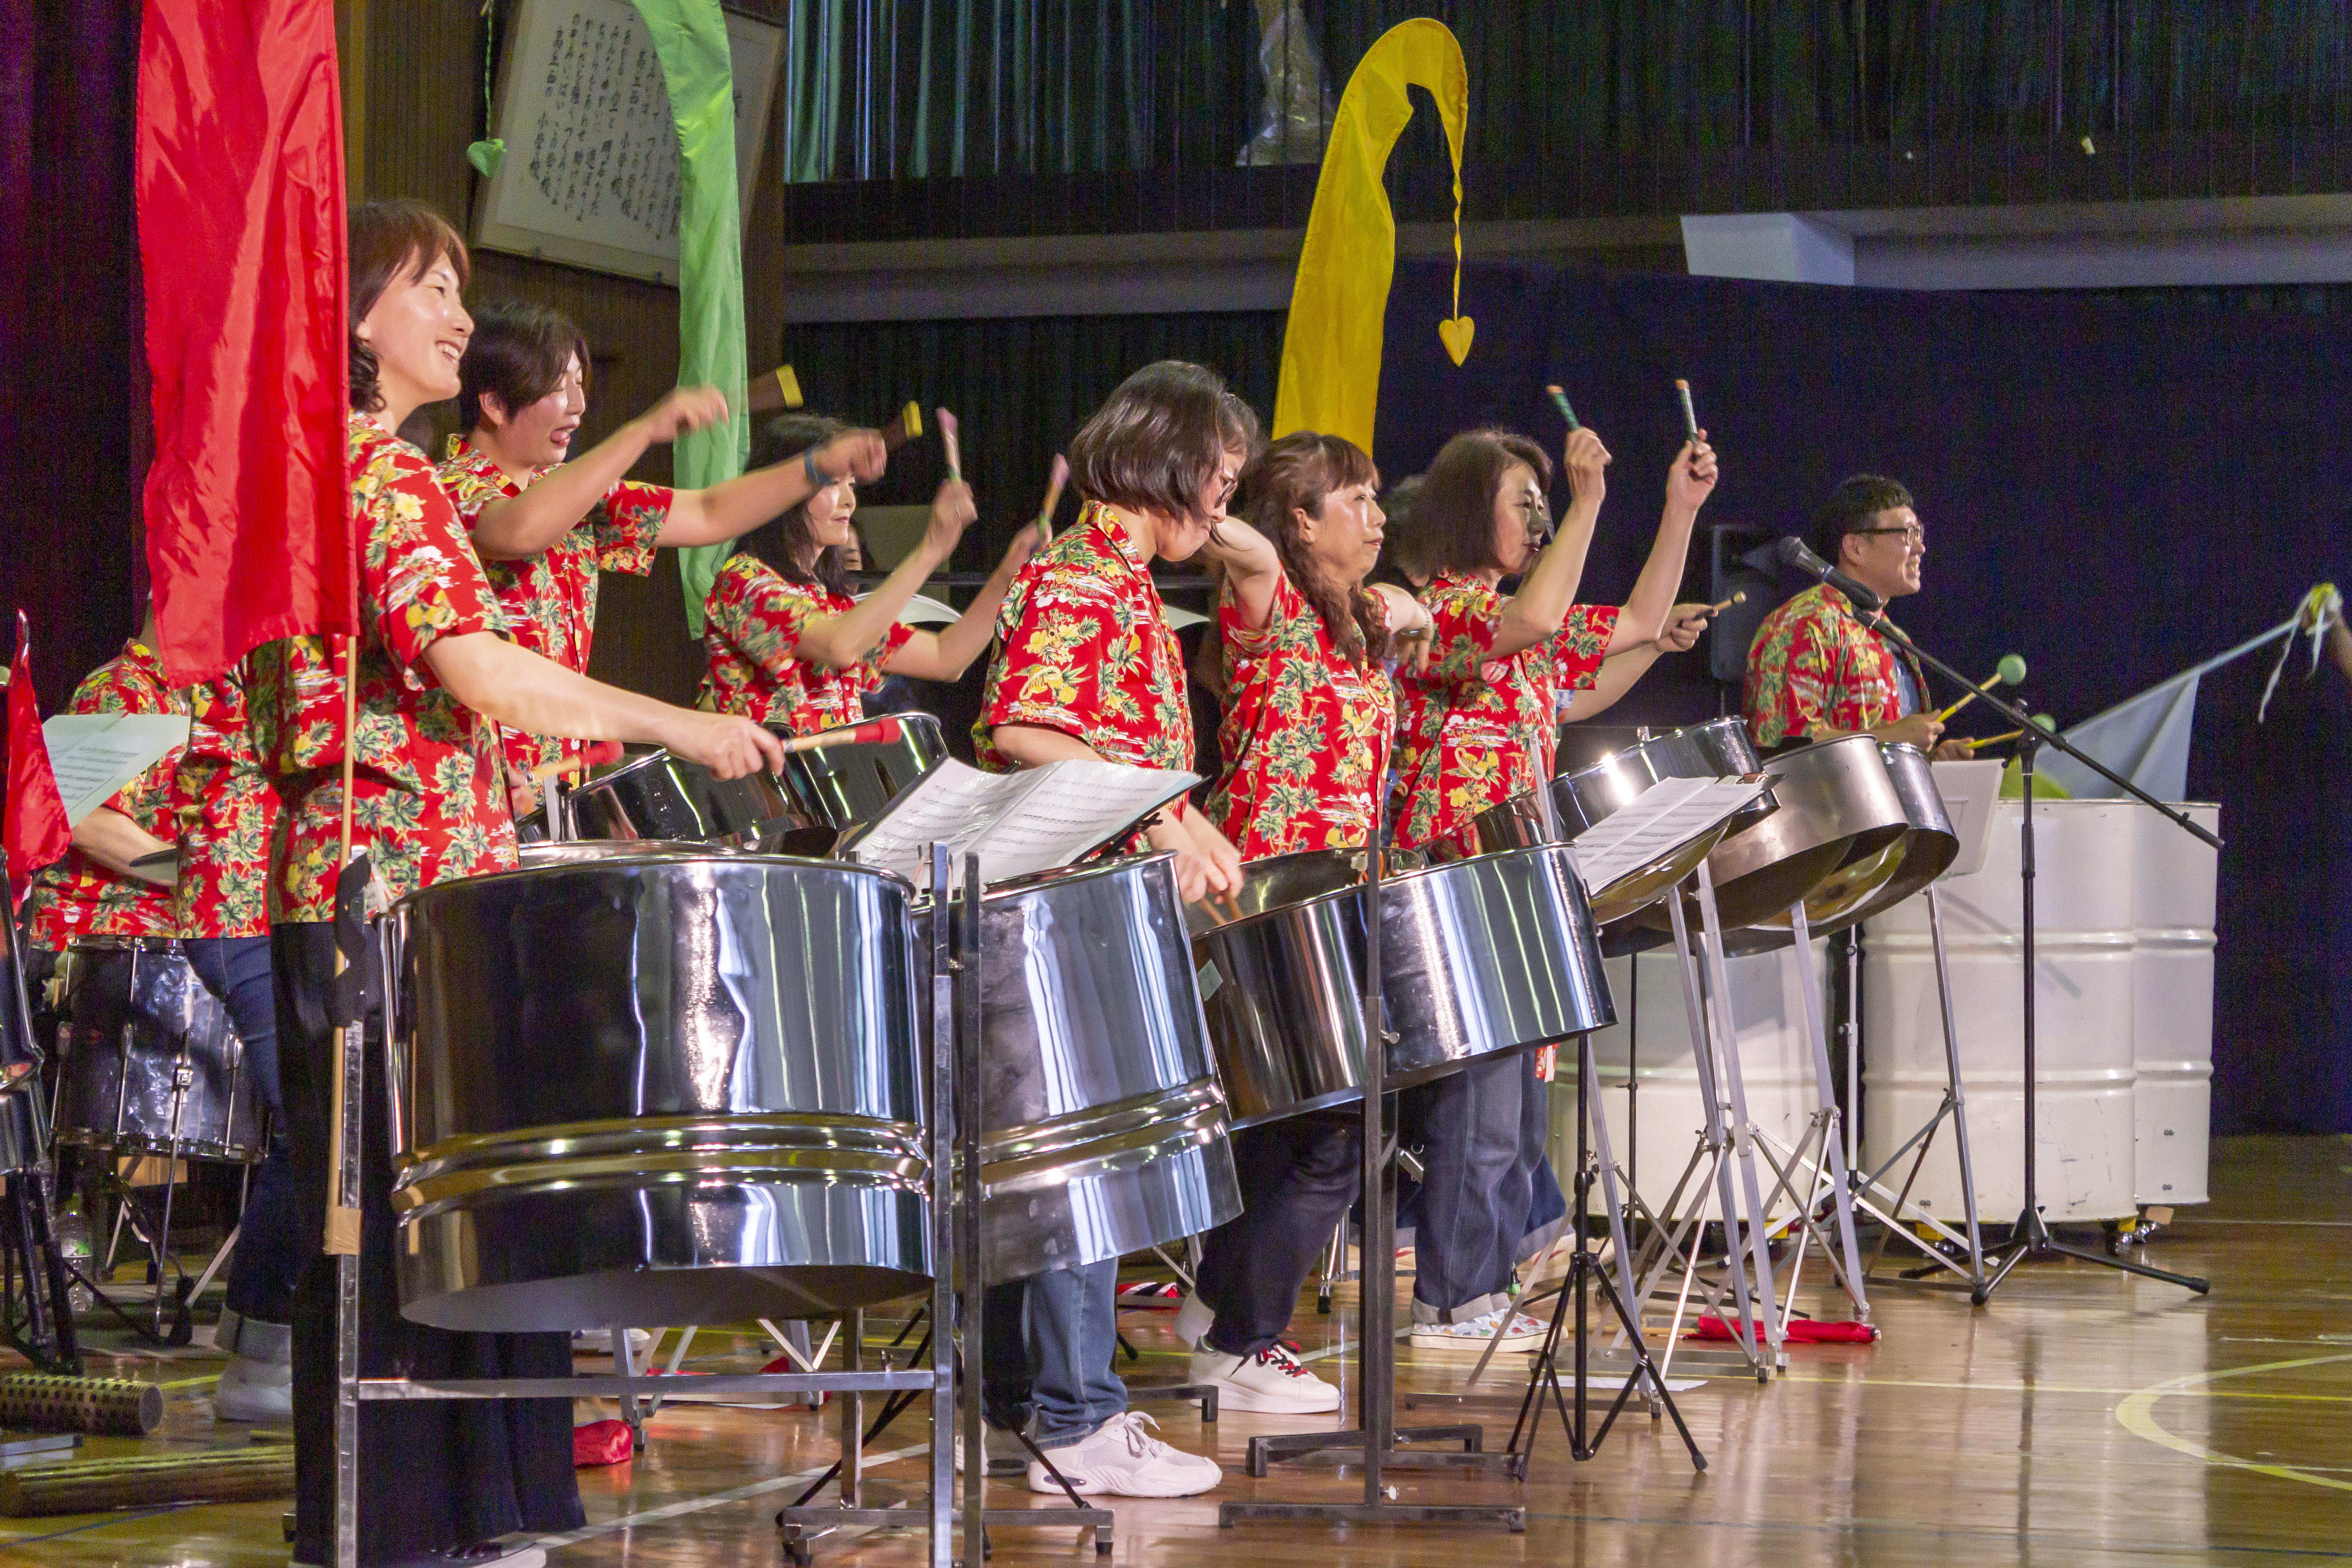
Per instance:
{"type": "Point", "coordinates": [1159, 439]}
{"type": "Point", "coordinates": [517, 354]}
{"type": "Point", "coordinates": [1298, 473]}
{"type": "Point", "coordinates": [389, 239]}
{"type": "Point", "coordinates": [1850, 506]}
{"type": "Point", "coordinates": [780, 541]}
{"type": "Point", "coordinates": [1454, 515]}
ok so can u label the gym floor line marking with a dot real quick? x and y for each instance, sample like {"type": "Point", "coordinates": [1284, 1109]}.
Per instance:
{"type": "Point", "coordinates": [2137, 1416]}
{"type": "Point", "coordinates": [734, 1494]}
{"type": "Point", "coordinates": [2104, 1392]}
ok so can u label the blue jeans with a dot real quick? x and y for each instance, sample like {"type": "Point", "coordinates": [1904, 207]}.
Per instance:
{"type": "Point", "coordinates": [1297, 1178]}
{"type": "Point", "coordinates": [269, 1244]}
{"type": "Point", "coordinates": [1478, 1127]}
{"type": "Point", "coordinates": [1047, 1343]}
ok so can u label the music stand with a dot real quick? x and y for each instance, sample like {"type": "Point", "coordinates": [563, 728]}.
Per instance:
{"type": "Point", "coordinates": [2032, 1238]}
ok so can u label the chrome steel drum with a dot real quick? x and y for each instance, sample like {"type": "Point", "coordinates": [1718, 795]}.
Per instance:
{"type": "Point", "coordinates": [841, 785]}
{"type": "Point", "coordinates": [1839, 812]}
{"type": "Point", "coordinates": [1590, 795]}
{"type": "Point", "coordinates": [664, 796]}
{"type": "Point", "coordinates": [1477, 957]}
{"type": "Point", "coordinates": [665, 1088]}
{"type": "Point", "coordinates": [152, 1063]}
{"type": "Point", "coordinates": [1103, 1129]}
{"type": "Point", "coordinates": [1928, 846]}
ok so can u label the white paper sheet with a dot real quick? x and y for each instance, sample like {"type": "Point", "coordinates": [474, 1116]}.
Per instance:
{"type": "Point", "coordinates": [1016, 823]}
{"type": "Point", "coordinates": [1670, 812]}
{"type": "Point", "coordinates": [95, 754]}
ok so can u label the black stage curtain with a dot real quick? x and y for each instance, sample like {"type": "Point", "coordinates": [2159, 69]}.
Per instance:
{"type": "Point", "coordinates": [2113, 490]}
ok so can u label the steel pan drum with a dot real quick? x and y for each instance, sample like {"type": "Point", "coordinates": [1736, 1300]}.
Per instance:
{"type": "Point", "coordinates": [665, 1088]}
{"type": "Point", "coordinates": [841, 785]}
{"type": "Point", "coordinates": [1477, 957]}
{"type": "Point", "coordinates": [152, 1063]}
{"type": "Point", "coordinates": [661, 795]}
{"type": "Point", "coordinates": [1103, 1126]}
{"type": "Point", "coordinates": [1928, 846]}
{"type": "Point", "coordinates": [1590, 795]}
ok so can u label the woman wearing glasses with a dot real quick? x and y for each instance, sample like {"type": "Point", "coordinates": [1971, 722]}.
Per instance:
{"type": "Point", "coordinates": [1817, 671]}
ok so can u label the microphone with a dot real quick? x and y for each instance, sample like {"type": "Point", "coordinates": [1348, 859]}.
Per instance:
{"type": "Point", "coordinates": [1793, 552]}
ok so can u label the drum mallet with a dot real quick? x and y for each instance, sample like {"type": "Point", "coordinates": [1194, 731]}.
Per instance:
{"type": "Point", "coordinates": [102, 1406]}
{"type": "Point", "coordinates": [1559, 401]}
{"type": "Point", "coordinates": [1054, 483]}
{"type": "Point", "coordinates": [780, 388]}
{"type": "Point", "coordinates": [1690, 414]}
{"type": "Point", "coordinates": [2041, 721]}
{"type": "Point", "coordinates": [2011, 672]}
{"type": "Point", "coordinates": [947, 432]}
{"type": "Point", "coordinates": [873, 732]}
{"type": "Point", "coordinates": [904, 428]}
{"type": "Point", "coordinates": [595, 756]}
{"type": "Point", "coordinates": [1738, 598]}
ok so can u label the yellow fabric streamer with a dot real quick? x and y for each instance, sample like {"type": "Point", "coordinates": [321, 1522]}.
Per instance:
{"type": "Point", "coordinates": [1331, 349]}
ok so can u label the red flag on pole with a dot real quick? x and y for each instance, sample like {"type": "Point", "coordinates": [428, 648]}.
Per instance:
{"type": "Point", "coordinates": [37, 831]}
{"type": "Point", "coordinates": [241, 239]}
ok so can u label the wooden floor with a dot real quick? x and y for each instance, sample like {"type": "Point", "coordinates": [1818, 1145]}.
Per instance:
{"type": "Point", "coordinates": [2082, 1418]}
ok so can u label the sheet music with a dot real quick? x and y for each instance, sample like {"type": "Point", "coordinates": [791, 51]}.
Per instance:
{"type": "Point", "coordinates": [1016, 823]}
{"type": "Point", "coordinates": [1670, 812]}
{"type": "Point", "coordinates": [95, 754]}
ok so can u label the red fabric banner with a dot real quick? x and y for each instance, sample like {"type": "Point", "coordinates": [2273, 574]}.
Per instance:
{"type": "Point", "coordinates": [37, 831]}
{"type": "Point", "coordinates": [241, 239]}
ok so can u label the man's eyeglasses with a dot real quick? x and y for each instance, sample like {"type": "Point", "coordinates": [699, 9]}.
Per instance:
{"type": "Point", "coordinates": [1912, 536]}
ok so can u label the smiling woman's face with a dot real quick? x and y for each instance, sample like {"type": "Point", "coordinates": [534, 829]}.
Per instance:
{"type": "Point", "coordinates": [539, 434]}
{"type": "Point", "coordinates": [417, 329]}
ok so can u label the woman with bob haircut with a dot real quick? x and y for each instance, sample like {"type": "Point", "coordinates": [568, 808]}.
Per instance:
{"type": "Point", "coordinates": [789, 645]}
{"type": "Point", "coordinates": [1477, 729]}
{"type": "Point", "coordinates": [1086, 667]}
{"type": "Point", "coordinates": [439, 1482]}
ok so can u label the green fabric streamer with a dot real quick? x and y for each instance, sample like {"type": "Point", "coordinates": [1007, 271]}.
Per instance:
{"type": "Point", "coordinates": [690, 39]}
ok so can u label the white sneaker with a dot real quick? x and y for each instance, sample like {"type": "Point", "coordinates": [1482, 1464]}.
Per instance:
{"type": "Point", "coordinates": [1122, 1458]}
{"type": "Point", "coordinates": [1194, 1319]}
{"type": "Point", "coordinates": [1471, 1339]}
{"type": "Point", "coordinates": [599, 1342]}
{"type": "Point", "coordinates": [256, 1391]}
{"type": "Point", "coordinates": [1270, 1380]}
{"type": "Point", "coordinates": [1007, 1455]}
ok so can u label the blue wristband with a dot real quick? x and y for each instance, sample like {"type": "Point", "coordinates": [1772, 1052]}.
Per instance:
{"type": "Point", "coordinates": [817, 478]}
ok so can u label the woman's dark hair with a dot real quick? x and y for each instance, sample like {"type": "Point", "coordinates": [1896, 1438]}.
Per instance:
{"type": "Point", "coordinates": [388, 239]}
{"type": "Point", "coordinates": [518, 354]}
{"type": "Point", "coordinates": [1454, 516]}
{"type": "Point", "coordinates": [1297, 474]}
{"type": "Point", "coordinates": [1401, 554]}
{"type": "Point", "coordinates": [1160, 438]}
{"type": "Point", "coordinates": [782, 538]}
{"type": "Point", "coordinates": [1851, 507]}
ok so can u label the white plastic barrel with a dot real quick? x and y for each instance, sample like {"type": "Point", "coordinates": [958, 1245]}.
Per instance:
{"type": "Point", "coordinates": [2084, 989]}
{"type": "Point", "coordinates": [2172, 1015]}
{"type": "Point", "coordinates": [1652, 1032]}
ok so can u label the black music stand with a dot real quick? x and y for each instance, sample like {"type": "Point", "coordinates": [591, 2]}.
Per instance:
{"type": "Point", "coordinates": [2032, 1238]}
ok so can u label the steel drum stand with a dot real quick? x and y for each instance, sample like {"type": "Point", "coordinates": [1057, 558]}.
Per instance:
{"type": "Point", "coordinates": [36, 1308]}
{"type": "Point", "coordinates": [2031, 1237]}
{"type": "Point", "coordinates": [937, 1378]}
{"type": "Point", "coordinates": [1376, 1435]}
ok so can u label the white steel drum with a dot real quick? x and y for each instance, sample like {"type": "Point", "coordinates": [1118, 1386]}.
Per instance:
{"type": "Point", "coordinates": [1776, 1067]}
{"type": "Point", "coordinates": [2172, 1004]}
{"type": "Point", "coordinates": [2084, 990]}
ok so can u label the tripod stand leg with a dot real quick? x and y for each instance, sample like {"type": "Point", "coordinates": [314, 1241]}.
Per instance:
{"type": "Point", "coordinates": [1717, 1135]}
{"type": "Point", "coordinates": [1726, 1062]}
{"type": "Point", "coordinates": [1825, 1093]}
{"type": "Point", "coordinates": [1952, 1080]}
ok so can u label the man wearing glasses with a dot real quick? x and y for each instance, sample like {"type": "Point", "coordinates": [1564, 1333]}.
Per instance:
{"type": "Point", "coordinates": [1815, 671]}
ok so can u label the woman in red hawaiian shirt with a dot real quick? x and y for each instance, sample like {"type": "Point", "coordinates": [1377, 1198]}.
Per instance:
{"type": "Point", "coordinates": [789, 645]}
{"type": "Point", "coordinates": [1478, 728]}
{"type": "Point", "coordinates": [544, 527]}
{"type": "Point", "coordinates": [1308, 713]}
{"type": "Point", "coordinates": [435, 662]}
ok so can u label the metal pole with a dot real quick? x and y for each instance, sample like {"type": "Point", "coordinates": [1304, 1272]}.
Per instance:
{"type": "Point", "coordinates": [1952, 1078]}
{"type": "Point", "coordinates": [1376, 1387]}
{"type": "Point", "coordinates": [939, 1076]}
{"type": "Point", "coordinates": [1825, 1097]}
{"type": "Point", "coordinates": [965, 966]}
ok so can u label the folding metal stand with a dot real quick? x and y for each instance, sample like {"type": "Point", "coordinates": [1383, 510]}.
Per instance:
{"type": "Point", "coordinates": [35, 1311]}
{"type": "Point", "coordinates": [938, 1378]}
{"type": "Point", "coordinates": [1376, 1435]}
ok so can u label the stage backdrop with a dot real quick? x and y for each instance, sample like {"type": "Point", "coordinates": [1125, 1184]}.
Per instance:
{"type": "Point", "coordinates": [2110, 490]}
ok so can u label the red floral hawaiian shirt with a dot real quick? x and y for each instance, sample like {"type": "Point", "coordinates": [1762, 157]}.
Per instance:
{"type": "Point", "coordinates": [77, 896]}
{"type": "Point", "coordinates": [1814, 667]}
{"type": "Point", "coordinates": [427, 801]}
{"type": "Point", "coordinates": [227, 812]}
{"type": "Point", "coordinates": [1083, 646]}
{"type": "Point", "coordinates": [1473, 730]}
{"type": "Point", "coordinates": [752, 623]}
{"type": "Point", "coordinates": [550, 599]}
{"type": "Point", "coordinates": [1306, 733]}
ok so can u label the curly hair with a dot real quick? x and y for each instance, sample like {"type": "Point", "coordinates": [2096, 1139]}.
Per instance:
{"type": "Point", "coordinates": [1296, 474]}
{"type": "Point", "coordinates": [781, 540]}
{"type": "Point", "coordinates": [391, 239]}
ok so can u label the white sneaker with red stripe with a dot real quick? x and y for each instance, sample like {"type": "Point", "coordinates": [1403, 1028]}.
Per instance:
{"type": "Point", "coordinates": [1270, 1380]}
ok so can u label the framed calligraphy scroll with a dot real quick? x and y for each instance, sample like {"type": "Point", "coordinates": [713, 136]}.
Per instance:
{"type": "Point", "coordinates": [591, 173]}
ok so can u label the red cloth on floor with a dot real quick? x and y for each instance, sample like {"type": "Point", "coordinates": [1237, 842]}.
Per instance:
{"type": "Point", "coordinates": [600, 1443]}
{"type": "Point", "coordinates": [1801, 1331]}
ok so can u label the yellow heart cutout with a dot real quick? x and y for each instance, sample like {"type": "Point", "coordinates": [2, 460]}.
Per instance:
{"type": "Point", "coordinates": [1455, 336]}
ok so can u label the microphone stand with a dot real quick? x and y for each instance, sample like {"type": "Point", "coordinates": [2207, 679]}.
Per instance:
{"type": "Point", "coordinates": [2031, 1237]}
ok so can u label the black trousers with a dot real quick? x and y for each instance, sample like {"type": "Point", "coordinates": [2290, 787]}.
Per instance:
{"type": "Point", "coordinates": [432, 1474]}
{"type": "Point", "coordinates": [1297, 1179]}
